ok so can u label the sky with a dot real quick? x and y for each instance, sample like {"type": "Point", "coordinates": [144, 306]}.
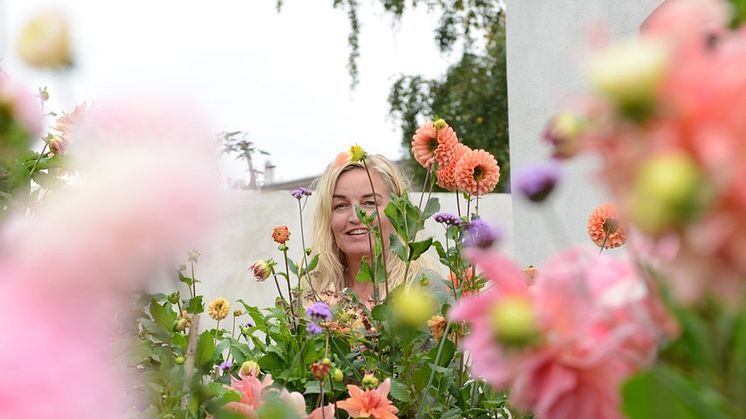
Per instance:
{"type": "Point", "coordinates": [280, 77]}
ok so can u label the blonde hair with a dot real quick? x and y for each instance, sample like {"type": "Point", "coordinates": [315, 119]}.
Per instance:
{"type": "Point", "coordinates": [329, 274]}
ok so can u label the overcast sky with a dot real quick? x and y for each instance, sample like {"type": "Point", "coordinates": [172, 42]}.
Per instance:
{"type": "Point", "coordinates": [281, 77]}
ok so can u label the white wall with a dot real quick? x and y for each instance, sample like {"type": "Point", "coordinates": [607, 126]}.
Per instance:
{"type": "Point", "coordinates": [545, 42]}
{"type": "Point", "coordinates": [244, 235]}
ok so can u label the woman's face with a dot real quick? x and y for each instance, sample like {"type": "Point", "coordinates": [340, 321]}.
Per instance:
{"type": "Point", "coordinates": [353, 189]}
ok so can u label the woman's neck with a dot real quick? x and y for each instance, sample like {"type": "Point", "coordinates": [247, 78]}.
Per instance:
{"type": "Point", "coordinates": [363, 290]}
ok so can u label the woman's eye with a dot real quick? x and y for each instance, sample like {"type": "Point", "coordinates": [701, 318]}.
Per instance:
{"type": "Point", "coordinates": [369, 203]}
{"type": "Point", "coordinates": [340, 206]}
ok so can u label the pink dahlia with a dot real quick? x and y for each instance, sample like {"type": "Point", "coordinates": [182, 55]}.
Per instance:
{"type": "Point", "coordinates": [605, 228]}
{"type": "Point", "coordinates": [591, 326]}
{"type": "Point", "coordinates": [372, 404]}
{"type": "Point", "coordinates": [477, 172]}
{"type": "Point", "coordinates": [426, 148]}
{"type": "Point", "coordinates": [447, 174]}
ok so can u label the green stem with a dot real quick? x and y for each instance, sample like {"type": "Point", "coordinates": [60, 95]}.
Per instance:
{"type": "Point", "coordinates": [277, 284]}
{"type": "Point", "coordinates": [305, 260]}
{"type": "Point", "coordinates": [432, 372]}
{"type": "Point", "coordinates": [290, 291]}
{"type": "Point", "coordinates": [194, 281]}
{"type": "Point", "coordinates": [380, 232]}
{"type": "Point", "coordinates": [38, 159]}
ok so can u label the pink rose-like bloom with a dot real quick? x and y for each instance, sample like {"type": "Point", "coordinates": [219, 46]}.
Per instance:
{"type": "Point", "coordinates": [596, 329]}
{"type": "Point", "coordinates": [23, 106]}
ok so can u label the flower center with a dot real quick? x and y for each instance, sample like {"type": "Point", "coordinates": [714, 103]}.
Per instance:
{"type": "Point", "coordinates": [478, 173]}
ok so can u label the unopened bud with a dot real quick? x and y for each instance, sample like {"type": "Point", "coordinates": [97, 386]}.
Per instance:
{"type": "Point", "coordinates": [179, 360]}
{"type": "Point", "coordinates": [338, 375]}
{"type": "Point", "coordinates": [182, 324]}
{"type": "Point", "coordinates": [439, 124]}
{"type": "Point", "coordinates": [173, 298]}
{"type": "Point", "coordinates": [250, 369]}
{"type": "Point", "coordinates": [370, 381]}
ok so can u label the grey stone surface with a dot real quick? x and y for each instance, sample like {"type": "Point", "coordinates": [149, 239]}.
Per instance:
{"type": "Point", "coordinates": [545, 45]}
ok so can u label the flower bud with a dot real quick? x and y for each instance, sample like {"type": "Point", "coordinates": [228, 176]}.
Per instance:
{"type": "Point", "coordinates": [563, 132]}
{"type": "Point", "coordinates": [357, 153]}
{"type": "Point", "coordinates": [261, 269]}
{"type": "Point", "coordinates": [320, 370]}
{"type": "Point", "coordinates": [629, 72]}
{"type": "Point", "coordinates": [338, 375]}
{"type": "Point", "coordinates": [413, 305]}
{"type": "Point", "coordinates": [182, 324]}
{"type": "Point", "coordinates": [514, 322]}
{"type": "Point", "coordinates": [57, 145]}
{"type": "Point", "coordinates": [249, 369]}
{"type": "Point", "coordinates": [179, 360]}
{"type": "Point", "coordinates": [238, 312]}
{"type": "Point", "coordinates": [439, 124]}
{"type": "Point", "coordinates": [173, 298]}
{"type": "Point", "coordinates": [370, 381]}
{"type": "Point", "coordinates": [246, 331]}
{"type": "Point", "coordinates": [45, 41]}
{"type": "Point", "coordinates": [326, 361]}
{"type": "Point", "coordinates": [667, 192]}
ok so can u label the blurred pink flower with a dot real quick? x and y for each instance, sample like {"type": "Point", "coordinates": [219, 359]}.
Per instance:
{"type": "Point", "coordinates": [251, 391]}
{"type": "Point", "coordinates": [146, 188]}
{"type": "Point", "coordinates": [24, 108]}
{"type": "Point", "coordinates": [596, 330]}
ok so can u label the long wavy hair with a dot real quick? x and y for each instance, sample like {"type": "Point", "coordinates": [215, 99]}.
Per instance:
{"type": "Point", "coordinates": [329, 274]}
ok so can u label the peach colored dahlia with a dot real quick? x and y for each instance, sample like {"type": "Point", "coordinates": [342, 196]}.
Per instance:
{"type": "Point", "coordinates": [447, 174]}
{"type": "Point", "coordinates": [426, 148]}
{"type": "Point", "coordinates": [477, 172]}
{"type": "Point", "coordinates": [604, 222]}
{"type": "Point", "coordinates": [369, 403]}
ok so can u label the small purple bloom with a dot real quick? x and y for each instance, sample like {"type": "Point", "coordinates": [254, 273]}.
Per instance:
{"type": "Point", "coordinates": [301, 192]}
{"type": "Point", "coordinates": [447, 218]}
{"type": "Point", "coordinates": [319, 310]}
{"type": "Point", "coordinates": [314, 329]}
{"type": "Point", "coordinates": [536, 182]}
{"type": "Point", "coordinates": [249, 323]}
{"type": "Point", "coordinates": [226, 365]}
{"type": "Point", "coordinates": [480, 234]}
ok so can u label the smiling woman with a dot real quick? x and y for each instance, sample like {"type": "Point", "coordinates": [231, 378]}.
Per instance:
{"type": "Point", "coordinates": [339, 237]}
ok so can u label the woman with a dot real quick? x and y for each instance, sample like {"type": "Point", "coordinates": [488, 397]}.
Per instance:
{"type": "Point", "coordinates": [339, 237]}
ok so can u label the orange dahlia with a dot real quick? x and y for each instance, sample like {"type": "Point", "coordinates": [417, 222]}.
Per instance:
{"type": "Point", "coordinates": [372, 404]}
{"type": "Point", "coordinates": [604, 227]}
{"type": "Point", "coordinates": [447, 174]}
{"type": "Point", "coordinates": [280, 234]}
{"type": "Point", "coordinates": [469, 285]}
{"type": "Point", "coordinates": [426, 148]}
{"type": "Point", "coordinates": [477, 172]}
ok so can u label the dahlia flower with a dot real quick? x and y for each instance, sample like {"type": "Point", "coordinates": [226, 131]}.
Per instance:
{"type": "Point", "coordinates": [219, 308]}
{"type": "Point", "coordinates": [437, 325]}
{"type": "Point", "coordinates": [477, 172]}
{"type": "Point", "coordinates": [581, 331]}
{"type": "Point", "coordinates": [480, 233]}
{"type": "Point", "coordinates": [604, 227]}
{"type": "Point", "coordinates": [426, 148]}
{"type": "Point", "coordinates": [280, 234]}
{"type": "Point", "coordinates": [369, 403]}
{"type": "Point", "coordinates": [447, 174]}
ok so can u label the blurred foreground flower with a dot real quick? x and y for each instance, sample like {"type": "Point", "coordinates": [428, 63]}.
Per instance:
{"type": "Point", "coordinates": [45, 41]}
{"type": "Point", "coordinates": [99, 239]}
{"type": "Point", "coordinates": [20, 117]}
{"type": "Point", "coordinates": [412, 305]}
{"type": "Point", "coordinates": [536, 182]}
{"type": "Point", "coordinates": [585, 326]}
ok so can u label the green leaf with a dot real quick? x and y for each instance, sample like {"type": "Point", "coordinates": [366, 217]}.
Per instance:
{"type": "Point", "coordinates": [185, 279]}
{"type": "Point", "coordinates": [255, 315]}
{"type": "Point", "coordinates": [441, 251]}
{"type": "Point", "coordinates": [271, 362]}
{"type": "Point", "coordinates": [416, 249]}
{"type": "Point", "coordinates": [311, 265]}
{"type": "Point", "coordinates": [397, 247]}
{"type": "Point", "coordinates": [433, 206]}
{"type": "Point", "coordinates": [365, 274]}
{"type": "Point", "coordinates": [399, 391]}
{"type": "Point", "coordinates": [293, 267]}
{"type": "Point", "coordinates": [381, 312]}
{"type": "Point", "coordinates": [162, 314]}
{"type": "Point", "coordinates": [205, 348]}
{"type": "Point", "coordinates": [195, 305]}
{"type": "Point", "coordinates": [662, 393]}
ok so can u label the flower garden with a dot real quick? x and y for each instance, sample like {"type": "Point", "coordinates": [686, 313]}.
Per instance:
{"type": "Point", "coordinates": [646, 319]}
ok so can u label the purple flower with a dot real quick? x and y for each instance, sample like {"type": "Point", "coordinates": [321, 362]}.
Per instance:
{"type": "Point", "coordinates": [480, 234]}
{"type": "Point", "coordinates": [536, 182]}
{"type": "Point", "coordinates": [447, 218]}
{"type": "Point", "coordinates": [314, 329]}
{"type": "Point", "coordinates": [249, 323]}
{"type": "Point", "coordinates": [319, 310]}
{"type": "Point", "coordinates": [301, 192]}
{"type": "Point", "coordinates": [226, 365]}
